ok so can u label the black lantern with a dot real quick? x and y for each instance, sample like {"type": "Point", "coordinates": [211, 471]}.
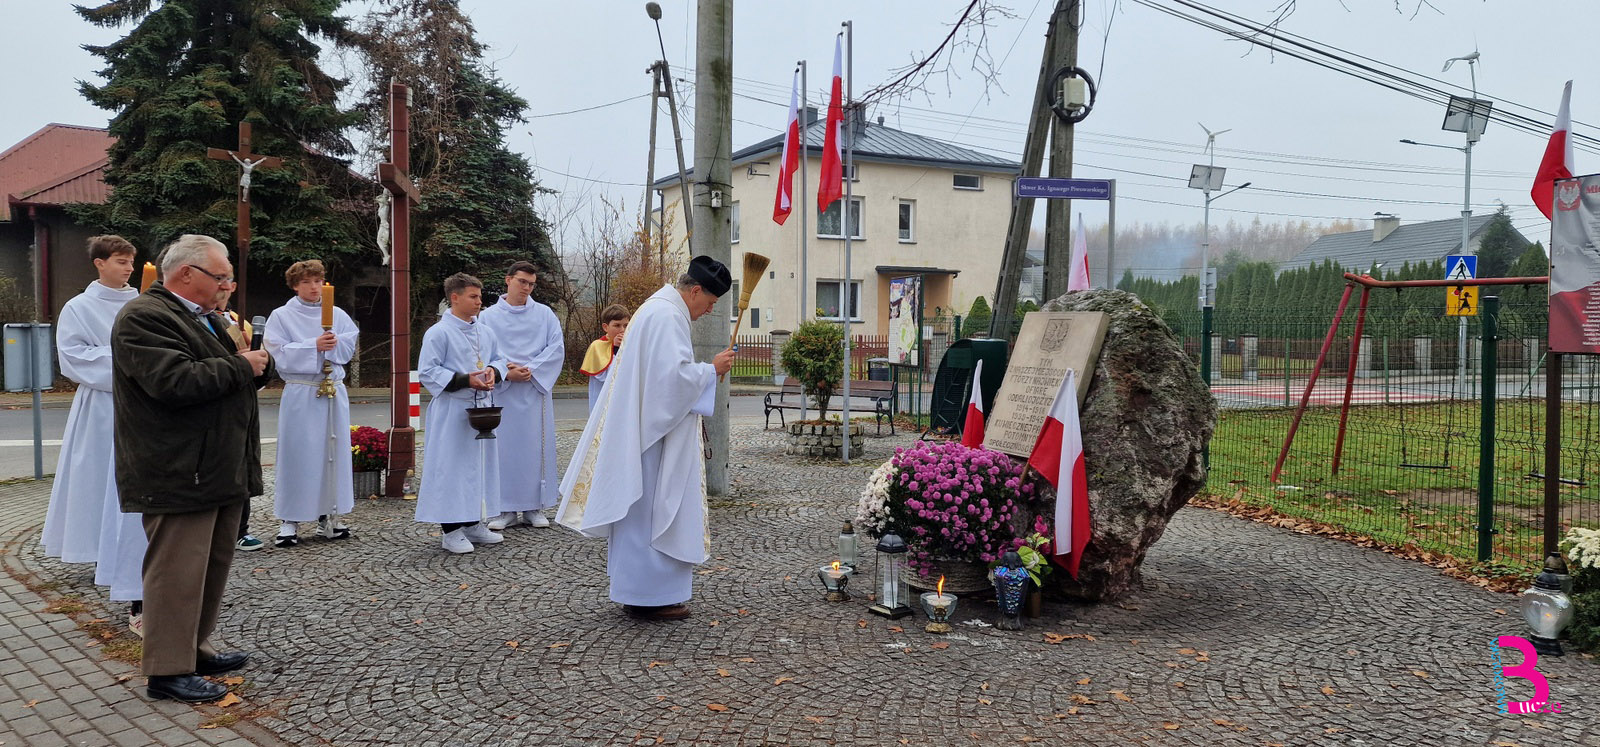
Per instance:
{"type": "Point", "coordinates": [1010, 587]}
{"type": "Point", "coordinates": [894, 593]}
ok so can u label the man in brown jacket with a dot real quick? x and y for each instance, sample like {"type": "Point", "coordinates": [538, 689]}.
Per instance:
{"type": "Point", "coordinates": [188, 455]}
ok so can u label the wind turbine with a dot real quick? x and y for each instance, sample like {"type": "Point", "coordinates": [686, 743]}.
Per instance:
{"type": "Point", "coordinates": [1211, 137]}
{"type": "Point", "coordinates": [1467, 58]}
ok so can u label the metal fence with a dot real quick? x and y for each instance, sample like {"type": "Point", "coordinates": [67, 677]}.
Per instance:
{"type": "Point", "coordinates": [1444, 434]}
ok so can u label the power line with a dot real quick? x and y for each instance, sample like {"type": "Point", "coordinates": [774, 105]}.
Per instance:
{"type": "Point", "coordinates": [588, 108]}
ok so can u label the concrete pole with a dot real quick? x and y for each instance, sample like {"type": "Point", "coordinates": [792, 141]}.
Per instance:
{"type": "Point", "coordinates": [650, 166]}
{"type": "Point", "coordinates": [805, 220]}
{"type": "Point", "coordinates": [1058, 213]}
{"type": "Point", "coordinates": [713, 194]}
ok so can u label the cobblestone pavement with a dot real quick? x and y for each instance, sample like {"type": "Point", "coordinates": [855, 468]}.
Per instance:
{"type": "Point", "coordinates": [1242, 635]}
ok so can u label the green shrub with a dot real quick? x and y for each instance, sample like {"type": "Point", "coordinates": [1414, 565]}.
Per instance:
{"type": "Point", "coordinates": [978, 317]}
{"type": "Point", "coordinates": [814, 356]}
{"type": "Point", "coordinates": [1584, 632]}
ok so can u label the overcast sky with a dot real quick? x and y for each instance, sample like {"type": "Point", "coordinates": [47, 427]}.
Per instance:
{"type": "Point", "coordinates": [1294, 127]}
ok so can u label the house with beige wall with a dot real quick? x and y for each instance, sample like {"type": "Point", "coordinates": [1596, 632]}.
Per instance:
{"type": "Point", "coordinates": [919, 206]}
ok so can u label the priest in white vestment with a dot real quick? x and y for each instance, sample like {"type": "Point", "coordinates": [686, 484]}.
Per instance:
{"type": "Point", "coordinates": [460, 365]}
{"type": "Point", "coordinates": [312, 475]}
{"type": "Point", "coordinates": [637, 477]}
{"type": "Point", "coordinates": [530, 339]}
{"type": "Point", "coordinates": [85, 519]}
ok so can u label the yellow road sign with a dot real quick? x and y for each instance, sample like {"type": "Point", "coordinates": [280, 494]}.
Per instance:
{"type": "Point", "coordinates": [1461, 300]}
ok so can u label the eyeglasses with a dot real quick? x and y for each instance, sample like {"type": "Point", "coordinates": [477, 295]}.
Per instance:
{"type": "Point", "coordinates": [221, 279]}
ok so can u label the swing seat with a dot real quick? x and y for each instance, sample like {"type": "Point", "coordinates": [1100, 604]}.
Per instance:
{"type": "Point", "coordinates": [1563, 480]}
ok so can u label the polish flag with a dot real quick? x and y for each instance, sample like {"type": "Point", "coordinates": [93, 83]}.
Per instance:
{"type": "Point", "coordinates": [1557, 161]}
{"type": "Point", "coordinates": [791, 157]}
{"type": "Point", "coordinates": [1058, 456]}
{"type": "Point", "coordinates": [830, 187]}
{"type": "Point", "coordinates": [1078, 280]}
{"type": "Point", "coordinates": [972, 429]}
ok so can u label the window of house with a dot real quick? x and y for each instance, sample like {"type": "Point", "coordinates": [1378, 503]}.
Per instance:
{"type": "Point", "coordinates": [908, 213]}
{"type": "Point", "coordinates": [734, 219]}
{"type": "Point", "coordinates": [968, 181]}
{"type": "Point", "coordinates": [828, 220]}
{"type": "Point", "coordinates": [755, 318]}
{"type": "Point", "coordinates": [829, 293]}
{"type": "Point", "coordinates": [851, 171]}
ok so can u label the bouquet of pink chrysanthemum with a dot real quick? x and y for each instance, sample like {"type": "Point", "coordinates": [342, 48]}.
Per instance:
{"type": "Point", "coordinates": [954, 502]}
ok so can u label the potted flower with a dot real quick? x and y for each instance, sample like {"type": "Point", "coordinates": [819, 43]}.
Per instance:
{"type": "Point", "coordinates": [958, 508]}
{"type": "Point", "coordinates": [369, 454]}
{"type": "Point", "coordinates": [1035, 551]}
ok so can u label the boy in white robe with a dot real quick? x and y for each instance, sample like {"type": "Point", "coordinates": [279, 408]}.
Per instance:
{"type": "Point", "coordinates": [85, 520]}
{"type": "Point", "coordinates": [312, 476]}
{"type": "Point", "coordinates": [637, 477]}
{"type": "Point", "coordinates": [460, 364]}
{"type": "Point", "coordinates": [530, 339]}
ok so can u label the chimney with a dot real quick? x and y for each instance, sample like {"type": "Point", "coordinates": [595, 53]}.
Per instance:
{"type": "Point", "coordinates": [811, 115]}
{"type": "Point", "coordinates": [1383, 225]}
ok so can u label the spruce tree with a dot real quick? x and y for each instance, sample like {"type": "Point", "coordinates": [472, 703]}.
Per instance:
{"type": "Point", "coordinates": [1499, 246]}
{"type": "Point", "coordinates": [180, 81]}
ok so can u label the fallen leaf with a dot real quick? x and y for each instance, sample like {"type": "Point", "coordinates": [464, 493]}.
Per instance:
{"type": "Point", "coordinates": [1027, 740]}
{"type": "Point", "coordinates": [1134, 641]}
{"type": "Point", "coordinates": [984, 687]}
{"type": "Point", "coordinates": [744, 612]}
{"type": "Point", "coordinates": [782, 680]}
{"type": "Point", "coordinates": [1221, 722]}
{"type": "Point", "coordinates": [417, 621]}
{"type": "Point", "coordinates": [1088, 637]}
{"type": "Point", "coordinates": [1169, 726]}
{"type": "Point", "coordinates": [208, 725]}
{"type": "Point", "coordinates": [861, 623]}
{"type": "Point", "coordinates": [1500, 743]}
{"type": "Point", "coordinates": [31, 703]}
{"type": "Point", "coordinates": [985, 701]}
{"type": "Point", "coordinates": [655, 664]}
{"type": "Point", "coordinates": [1081, 699]}
{"type": "Point", "coordinates": [746, 660]}
{"type": "Point", "coordinates": [1420, 673]}
{"type": "Point", "coordinates": [1179, 683]}
{"type": "Point", "coordinates": [716, 707]}
{"type": "Point", "coordinates": [1332, 730]}
{"type": "Point", "coordinates": [714, 623]}
{"type": "Point", "coordinates": [512, 644]}
{"type": "Point", "coordinates": [815, 719]}
{"type": "Point", "coordinates": [1174, 664]}
{"type": "Point", "coordinates": [1073, 711]}
{"type": "Point", "coordinates": [724, 673]}
{"type": "Point", "coordinates": [1186, 651]}
{"type": "Point", "coordinates": [1054, 637]}
{"type": "Point", "coordinates": [1129, 606]}
{"type": "Point", "coordinates": [1203, 656]}
{"type": "Point", "coordinates": [1084, 681]}
{"type": "Point", "coordinates": [940, 646]}
{"type": "Point", "coordinates": [1532, 723]}
{"type": "Point", "coordinates": [233, 680]}
{"type": "Point", "coordinates": [1122, 696]}
{"type": "Point", "coordinates": [558, 644]}
{"type": "Point", "coordinates": [1328, 690]}
{"type": "Point", "coordinates": [229, 700]}
{"type": "Point", "coordinates": [896, 629]}
{"type": "Point", "coordinates": [1499, 611]}
{"type": "Point", "coordinates": [463, 587]}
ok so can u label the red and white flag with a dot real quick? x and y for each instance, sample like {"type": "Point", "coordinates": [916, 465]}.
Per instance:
{"type": "Point", "coordinates": [972, 429]}
{"type": "Point", "coordinates": [1557, 161]}
{"type": "Point", "coordinates": [1058, 456]}
{"type": "Point", "coordinates": [830, 187]}
{"type": "Point", "coordinates": [791, 157]}
{"type": "Point", "coordinates": [1078, 280]}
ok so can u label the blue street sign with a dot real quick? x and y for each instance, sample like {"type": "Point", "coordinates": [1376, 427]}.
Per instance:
{"type": "Point", "coordinates": [1064, 189]}
{"type": "Point", "coordinates": [1460, 267]}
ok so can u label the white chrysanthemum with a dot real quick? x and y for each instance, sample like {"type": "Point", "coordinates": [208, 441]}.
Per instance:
{"type": "Point", "coordinates": [871, 510]}
{"type": "Point", "coordinates": [1583, 547]}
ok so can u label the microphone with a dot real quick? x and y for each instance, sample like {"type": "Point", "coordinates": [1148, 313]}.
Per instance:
{"type": "Point", "coordinates": [259, 323]}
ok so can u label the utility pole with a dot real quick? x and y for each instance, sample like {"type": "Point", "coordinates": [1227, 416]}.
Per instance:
{"type": "Point", "coordinates": [1058, 213]}
{"type": "Point", "coordinates": [1005, 293]}
{"type": "Point", "coordinates": [650, 171]}
{"type": "Point", "coordinates": [713, 194]}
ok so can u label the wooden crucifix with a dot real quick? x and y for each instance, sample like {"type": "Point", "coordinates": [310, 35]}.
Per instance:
{"type": "Point", "coordinates": [393, 174]}
{"type": "Point", "coordinates": [248, 163]}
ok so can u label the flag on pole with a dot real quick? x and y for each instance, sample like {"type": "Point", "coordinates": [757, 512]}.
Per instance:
{"type": "Point", "coordinates": [1058, 456]}
{"type": "Point", "coordinates": [1078, 280]}
{"type": "Point", "coordinates": [784, 202]}
{"type": "Point", "coordinates": [972, 429]}
{"type": "Point", "coordinates": [830, 186]}
{"type": "Point", "coordinates": [1557, 161]}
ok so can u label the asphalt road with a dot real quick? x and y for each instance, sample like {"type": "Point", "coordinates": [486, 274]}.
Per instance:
{"type": "Point", "coordinates": [16, 427]}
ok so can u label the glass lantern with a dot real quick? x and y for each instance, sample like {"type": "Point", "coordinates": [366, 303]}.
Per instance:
{"type": "Point", "coordinates": [894, 593]}
{"type": "Point", "coordinates": [847, 545]}
{"type": "Point", "coordinates": [835, 577]}
{"type": "Point", "coordinates": [1547, 609]}
{"type": "Point", "coordinates": [1010, 587]}
{"type": "Point", "coordinates": [940, 607]}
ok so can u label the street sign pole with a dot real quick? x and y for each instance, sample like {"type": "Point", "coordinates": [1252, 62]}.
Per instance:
{"type": "Point", "coordinates": [1053, 188]}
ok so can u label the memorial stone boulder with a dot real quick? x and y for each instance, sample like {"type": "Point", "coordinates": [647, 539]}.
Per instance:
{"type": "Point", "coordinates": [1146, 419]}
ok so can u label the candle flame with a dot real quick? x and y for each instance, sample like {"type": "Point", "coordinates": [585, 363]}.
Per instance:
{"type": "Point", "coordinates": [941, 586]}
{"type": "Point", "coordinates": [836, 565]}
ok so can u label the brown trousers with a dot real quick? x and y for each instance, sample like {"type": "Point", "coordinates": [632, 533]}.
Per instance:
{"type": "Point", "coordinates": [185, 571]}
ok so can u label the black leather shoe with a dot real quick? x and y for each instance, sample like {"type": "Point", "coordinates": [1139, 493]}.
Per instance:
{"type": "Point", "coordinates": [221, 663]}
{"type": "Point", "coordinates": [185, 687]}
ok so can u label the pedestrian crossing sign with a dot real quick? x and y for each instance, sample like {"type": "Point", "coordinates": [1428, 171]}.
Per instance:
{"type": "Point", "coordinates": [1460, 267]}
{"type": "Point", "coordinates": [1462, 300]}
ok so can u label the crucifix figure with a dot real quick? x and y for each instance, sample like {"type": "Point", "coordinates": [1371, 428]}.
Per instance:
{"type": "Point", "coordinates": [393, 175]}
{"type": "Point", "coordinates": [248, 163]}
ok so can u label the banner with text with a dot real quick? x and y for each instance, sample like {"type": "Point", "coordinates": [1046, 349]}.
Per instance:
{"type": "Point", "coordinates": [1575, 266]}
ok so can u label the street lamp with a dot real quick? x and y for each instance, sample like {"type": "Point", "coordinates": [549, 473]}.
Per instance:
{"type": "Point", "coordinates": [1208, 178]}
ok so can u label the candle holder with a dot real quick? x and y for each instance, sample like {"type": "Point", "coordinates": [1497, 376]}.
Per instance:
{"type": "Point", "coordinates": [835, 578]}
{"type": "Point", "coordinates": [325, 388]}
{"type": "Point", "coordinates": [1010, 586]}
{"type": "Point", "coordinates": [939, 608]}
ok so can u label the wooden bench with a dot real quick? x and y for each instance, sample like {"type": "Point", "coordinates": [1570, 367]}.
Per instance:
{"type": "Point", "coordinates": [877, 396]}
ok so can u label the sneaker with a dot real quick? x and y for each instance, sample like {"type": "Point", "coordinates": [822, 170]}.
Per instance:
{"type": "Point", "coordinates": [502, 521]}
{"type": "Point", "coordinates": [333, 530]}
{"type": "Point", "coordinates": [285, 540]}
{"type": "Point", "coordinates": [480, 535]}
{"type": "Point", "coordinates": [136, 624]}
{"type": "Point", "coordinates": [535, 519]}
{"type": "Point", "coordinates": [457, 542]}
{"type": "Point", "coordinates": [249, 543]}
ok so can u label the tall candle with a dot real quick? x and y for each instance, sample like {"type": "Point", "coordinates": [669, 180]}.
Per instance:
{"type": "Point", "coordinates": [148, 278]}
{"type": "Point", "coordinates": [327, 306]}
